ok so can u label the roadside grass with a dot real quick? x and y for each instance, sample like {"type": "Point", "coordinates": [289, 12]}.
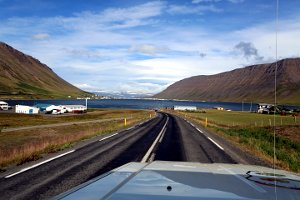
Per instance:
{"type": "Point", "coordinates": [261, 140]}
{"type": "Point", "coordinates": [18, 147]}
{"type": "Point", "coordinates": [254, 133]}
{"type": "Point", "coordinates": [12, 120]}
{"type": "Point", "coordinates": [238, 119]}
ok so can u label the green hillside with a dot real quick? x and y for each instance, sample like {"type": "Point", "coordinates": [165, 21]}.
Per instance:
{"type": "Point", "coordinates": [24, 77]}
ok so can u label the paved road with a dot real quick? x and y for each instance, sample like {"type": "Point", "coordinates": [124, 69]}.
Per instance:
{"type": "Point", "coordinates": [165, 137]}
{"type": "Point", "coordinates": [183, 142]}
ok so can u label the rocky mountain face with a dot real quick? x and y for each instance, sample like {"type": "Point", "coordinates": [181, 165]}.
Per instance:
{"type": "Point", "coordinates": [250, 84]}
{"type": "Point", "coordinates": [22, 76]}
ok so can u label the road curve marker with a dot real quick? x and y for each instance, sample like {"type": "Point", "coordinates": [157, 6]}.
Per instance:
{"type": "Point", "coordinates": [38, 164]}
{"type": "Point", "coordinates": [216, 143]}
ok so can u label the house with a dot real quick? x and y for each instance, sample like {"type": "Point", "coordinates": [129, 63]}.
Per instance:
{"type": "Point", "coordinates": [185, 108]}
{"type": "Point", "coordinates": [60, 109]}
{"type": "Point", "coordinates": [75, 108]}
{"type": "Point", "coordinates": [52, 109]}
{"type": "Point", "coordinates": [219, 108]}
{"type": "Point", "coordinates": [26, 109]}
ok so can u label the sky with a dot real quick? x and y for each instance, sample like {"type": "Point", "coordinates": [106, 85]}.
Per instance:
{"type": "Point", "coordinates": [137, 46]}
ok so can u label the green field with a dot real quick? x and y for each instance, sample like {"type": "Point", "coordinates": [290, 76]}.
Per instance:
{"type": "Point", "coordinates": [255, 133]}
{"type": "Point", "coordinates": [237, 119]}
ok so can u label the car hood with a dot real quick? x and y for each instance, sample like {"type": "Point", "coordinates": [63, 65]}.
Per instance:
{"type": "Point", "coordinates": [186, 180]}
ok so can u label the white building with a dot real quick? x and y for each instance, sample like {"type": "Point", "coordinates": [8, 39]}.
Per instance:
{"type": "Point", "coordinates": [219, 108]}
{"type": "Point", "coordinates": [185, 108]}
{"type": "Point", "coordinates": [27, 109]}
{"type": "Point", "coordinates": [3, 105]}
{"type": "Point", "coordinates": [75, 108]}
{"type": "Point", "coordinates": [55, 109]}
{"type": "Point", "coordinates": [264, 108]}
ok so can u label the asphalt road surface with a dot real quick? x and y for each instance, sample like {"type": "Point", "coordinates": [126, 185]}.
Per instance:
{"type": "Point", "coordinates": [165, 137]}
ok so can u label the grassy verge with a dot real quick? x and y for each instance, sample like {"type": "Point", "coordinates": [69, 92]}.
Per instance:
{"type": "Point", "coordinates": [260, 140]}
{"type": "Point", "coordinates": [241, 119]}
{"type": "Point", "coordinates": [12, 120]}
{"type": "Point", "coordinates": [240, 128]}
{"type": "Point", "coordinates": [18, 147]}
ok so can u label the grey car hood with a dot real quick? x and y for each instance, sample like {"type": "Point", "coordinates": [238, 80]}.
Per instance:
{"type": "Point", "coordinates": [186, 180]}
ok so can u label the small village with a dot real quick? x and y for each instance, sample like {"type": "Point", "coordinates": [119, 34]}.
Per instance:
{"type": "Point", "coordinates": [43, 109]}
{"type": "Point", "coordinates": [40, 108]}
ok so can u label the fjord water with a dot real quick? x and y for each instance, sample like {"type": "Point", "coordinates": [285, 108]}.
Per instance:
{"type": "Point", "coordinates": [139, 104]}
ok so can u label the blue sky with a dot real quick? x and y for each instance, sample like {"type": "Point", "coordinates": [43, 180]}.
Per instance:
{"type": "Point", "coordinates": [139, 46]}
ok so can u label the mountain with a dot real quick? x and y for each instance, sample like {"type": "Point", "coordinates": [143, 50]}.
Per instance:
{"type": "Point", "coordinates": [250, 84]}
{"type": "Point", "coordinates": [23, 76]}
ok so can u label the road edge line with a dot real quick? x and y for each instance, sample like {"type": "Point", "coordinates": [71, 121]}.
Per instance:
{"type": "Point", "coordinates": [108, 137]}
{"type": "Point", "coordinates": [38, 164]}
{"type": "Point", "coordinates": [215, 143]}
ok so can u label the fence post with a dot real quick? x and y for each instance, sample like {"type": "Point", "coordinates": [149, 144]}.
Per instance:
{"type": "Point", "coordinates": [125, 121]}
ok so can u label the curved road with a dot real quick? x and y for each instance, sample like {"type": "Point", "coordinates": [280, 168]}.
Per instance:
{"type": "Point", "coordinates": [166, 137]}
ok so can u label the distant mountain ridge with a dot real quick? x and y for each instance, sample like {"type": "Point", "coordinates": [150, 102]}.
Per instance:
{"type": "Point", "coordinates": [22, 76]}
{"type": "Point", "coordinates": [250, 84]}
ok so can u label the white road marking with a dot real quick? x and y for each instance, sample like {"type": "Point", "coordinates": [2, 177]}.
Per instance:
{"type": "Point", "coordinates": [146, 157]}
{"type": "Point", "coordinates": [108, 137]}
{"type": "Point", "coordinates": [38, 164]}
{"type": "Point", "coordinates": [161, 138]}
{"type": "Point", "coordinates": [130, 128]}
{"type": "Point", "coordinates": [199, 130]}
{"type": "Point", "coordinates": [152, 157]}
{"type": "Point", "coordinates": [215, 143]}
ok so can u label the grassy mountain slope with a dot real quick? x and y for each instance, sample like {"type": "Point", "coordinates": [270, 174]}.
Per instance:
{"type": "Point", "coordinates": [254, 83]}
{"type": "Point", "coordinates": [22, 76]}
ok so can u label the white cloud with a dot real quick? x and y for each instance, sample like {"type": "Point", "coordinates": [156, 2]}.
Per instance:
{"type": "Point", "coordinates": [263, 37]}
{"type": "Point", "coordinates": [201, 1]}
{"type": "Point", "coordinates": [141, 88]}
{"type": "Point", "coordinates": [248, 50]}
{"type": "Point", "coordinates": [85, 86]}
{"type": "Point", "coordinates": [110, 50]}
{"type": "Point", "coordinates": [147, 10]}
{"type": "Point", "coordinates": [41, 36]}
{"type": "Point", "coordinates": [147, 49]}
{"type": "Point", "coordinates": [236, 1]}
{"type": "Point", "coordinates": [201, 9]}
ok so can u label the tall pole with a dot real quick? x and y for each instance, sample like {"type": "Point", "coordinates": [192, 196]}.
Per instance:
{"type": "Point", "coordinates": [86, 103]}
